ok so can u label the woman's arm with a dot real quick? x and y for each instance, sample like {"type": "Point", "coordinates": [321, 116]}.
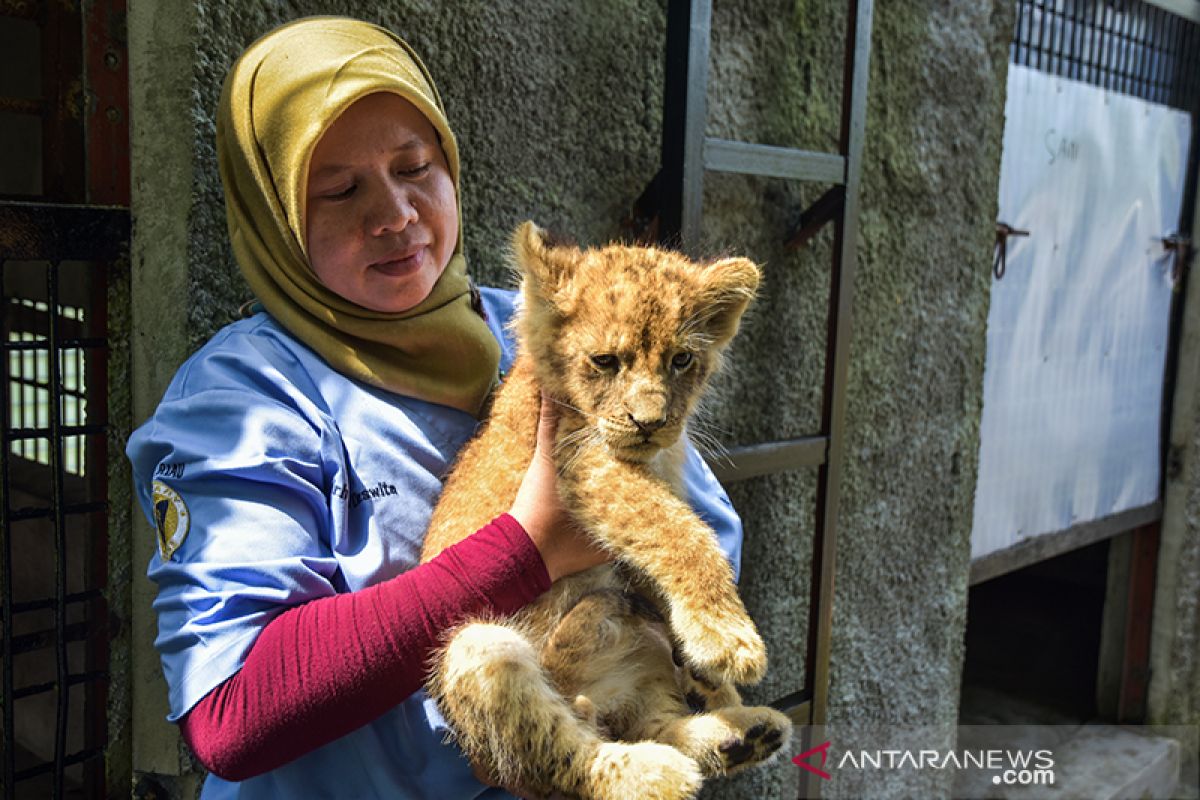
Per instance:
{"type": "Point", "coordinates": [322, 669]}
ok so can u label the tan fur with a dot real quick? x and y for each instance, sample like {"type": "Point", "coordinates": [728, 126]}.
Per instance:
{"type": "Point", "coordinates": [579, 692]}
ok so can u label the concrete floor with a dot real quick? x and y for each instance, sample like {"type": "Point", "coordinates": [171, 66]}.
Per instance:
{"type": "Point", "coordinates": [1092, 761]}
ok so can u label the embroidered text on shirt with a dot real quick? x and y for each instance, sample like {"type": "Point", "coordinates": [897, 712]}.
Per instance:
{"type": "Point", "coordinates": [380, 489]}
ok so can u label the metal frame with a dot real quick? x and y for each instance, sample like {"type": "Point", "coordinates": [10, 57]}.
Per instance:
{"type": "Point", "coordinates": [686, 155]}
{"type": "Point", "coordinates": [53, 234]}
{"type": "Point", "coordinates": [1039, 548]}
{"type": "Point", "coordinates": [83, 115]}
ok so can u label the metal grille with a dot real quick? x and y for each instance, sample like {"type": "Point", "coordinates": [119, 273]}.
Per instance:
{"type": "Point", "coordinates": [1126, 46]}
{"type": "Point", "coordinates": [53, 550]}
{"type": "Point", "coordinates": [30, 388]}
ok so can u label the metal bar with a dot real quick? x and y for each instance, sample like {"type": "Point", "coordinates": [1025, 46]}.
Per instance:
{"type": "Point", "coordinates": [40, 640]}
{"type": "Point", "coordinates": [1142, 68]}
{"type": "Point", "coordinates": [62, 700]}
{"type": "Point", "coordinates": [106, 63]}
{"type": "Point", "coordinates": [1019, 38]}
{"type": "Point", "coordinates": [1041, 37]}
{"type": "Point", "coordinates": [72, 680]}
{"type": "Point", "coordinates": [30, 691]}
{"type": "Point", "coordinates": [1183, 79]}
{"type": "Point", "coordinates": [19, 434]}
{"type": "Point", "coordinates": [1048, 545]}
{"type": "Point", "coordinates": [1193, 72]}
{"type": "Point", "coordinates": [90, 343]}
{"type": "Point", "coordinates": [1161, 20]}
{"type": "Point", "coordinates": [1106, 50]}
{"type": "Point", "coordinates": [41, 605]}
{"type": "Point", "coordinates": [24, 514]}
{"type": "Point", "coordinates": [764, 459]}
{"type": "Point", "coordinates": [22, 105]}
{"type": "Point", "coordinates": [1188, 9]}
{"type": "Point", "coordinates": [1176, 313]}
{"type": "Point", "coordinates": [1178, 72]}
{"type": "Point", "coordinates": [1135, 667]}
{"type": "Point", "coordinates": [1095, 56]}
{"type": "Point", "coordinates": [1074, 56]}
{"type": "Point", "coordinates": [63, 135]}
{"type": "Point", "coordinates": [1058, 34]}
{"type": "Point", "coordinates": [37, 231]}
{"type": "Point", "coordinates": [684, 114]}
{"type": "Point", "coordinates": [854, 113]}
{"type": "Point", "coordinates": [722, 155]}
{"type": "Point", "coordinates": [797, 706]}
{"type": "Point", "coordinates": [1128, 55]}
{"type": "Point", "coordinates": [817, 216]}
{"type": "Point", "coordinates": [68, 761]}
{"type": "Point", "coordinates": [108, 182]}
{"type": "Point", "coordinates": [1173, 49]}
{"type": "Point", "coordinates": [1121, 43]}
{"type": "Point", "coordinates": [8, 756]}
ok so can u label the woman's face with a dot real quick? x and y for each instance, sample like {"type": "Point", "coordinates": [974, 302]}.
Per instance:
{"type": "Point", "coordinates": [382, 216]}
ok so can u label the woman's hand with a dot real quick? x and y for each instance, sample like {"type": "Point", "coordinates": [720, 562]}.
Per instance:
{"type": "Point", "coordinates": [565, 548]}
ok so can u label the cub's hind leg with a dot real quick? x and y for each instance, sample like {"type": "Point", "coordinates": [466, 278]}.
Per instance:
{"type": "Point", "coordinates": [610, 654]}
{"type": "Point", "coordinates": [705, 721]}
{"type": "Point", "coordinates": [729, 739]}
{"type": "Point", "coordinates": [513, 723]}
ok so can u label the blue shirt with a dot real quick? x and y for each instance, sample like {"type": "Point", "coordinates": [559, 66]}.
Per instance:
{"type": "Point", "coordinates": [278, 480]}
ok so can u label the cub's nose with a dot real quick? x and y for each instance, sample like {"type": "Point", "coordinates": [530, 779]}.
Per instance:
{"type": "Point", "coordinates": [647, 426]}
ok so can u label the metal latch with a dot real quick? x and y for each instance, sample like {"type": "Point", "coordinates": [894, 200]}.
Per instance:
{"type": "Point", "coordinates": [1181, 247]}
{"type": "Point", "coordinates": [1000, 261]}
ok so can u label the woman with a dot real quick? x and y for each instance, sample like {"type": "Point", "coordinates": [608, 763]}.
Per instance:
{"type": "Point", "coordinates": [294, 461]}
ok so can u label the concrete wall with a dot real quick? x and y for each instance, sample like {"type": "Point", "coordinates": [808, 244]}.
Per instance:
{"type": "Point", "coordinates": [1174, 692]}
{"type": "Point", "coordinates": [558, 110]}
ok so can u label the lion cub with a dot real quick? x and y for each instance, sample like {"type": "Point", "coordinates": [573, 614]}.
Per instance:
{"type": "Point", "coordinates": [579, 693]}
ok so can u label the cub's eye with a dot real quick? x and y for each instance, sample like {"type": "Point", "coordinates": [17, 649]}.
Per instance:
{"type": "Point", "coordinates": [605, 361]}
{"type": "Point", "coordinates": [681, 360]}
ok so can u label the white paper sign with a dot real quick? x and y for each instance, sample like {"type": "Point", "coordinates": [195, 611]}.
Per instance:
{"type": "Point", "coordinates": [1077, 331]}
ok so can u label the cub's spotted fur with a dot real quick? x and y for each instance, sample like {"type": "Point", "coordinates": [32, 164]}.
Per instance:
{"type": "Point", "coordinates": [579, 693]}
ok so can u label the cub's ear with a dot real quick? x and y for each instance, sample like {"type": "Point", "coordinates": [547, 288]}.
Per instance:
{"type": "Point", "coordinates": [542, 266]}
{"type": "Point", "coordinates": [729, 286]}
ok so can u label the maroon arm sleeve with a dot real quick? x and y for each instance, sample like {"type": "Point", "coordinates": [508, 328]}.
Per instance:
{"type": "Point", "coordinates": [322, 669]}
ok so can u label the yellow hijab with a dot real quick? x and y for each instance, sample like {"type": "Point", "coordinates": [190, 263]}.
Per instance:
{"type": "Point", "coordinates": [279, 98]}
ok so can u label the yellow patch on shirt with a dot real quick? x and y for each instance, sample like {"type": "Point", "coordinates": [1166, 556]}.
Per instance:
{"type": "Point", "coordinates": [171, 519]}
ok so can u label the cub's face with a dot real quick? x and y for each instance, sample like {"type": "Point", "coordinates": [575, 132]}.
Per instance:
{"type": "Point", "coordinates": [627, 336]}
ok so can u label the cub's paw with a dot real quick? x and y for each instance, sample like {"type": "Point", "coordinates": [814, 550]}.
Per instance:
{"type": "Point", "coordinates": [763, 732]}
{"type": "Point", "coordinates": [645, 770]}
{"type": "Point", "coordinates": [721, 650]}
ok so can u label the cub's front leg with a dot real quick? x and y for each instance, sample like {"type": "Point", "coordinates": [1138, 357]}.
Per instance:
{"type": "Point", "coordinates": [490, 468]}
{"type": "Point", "coordinates": [636, 516]}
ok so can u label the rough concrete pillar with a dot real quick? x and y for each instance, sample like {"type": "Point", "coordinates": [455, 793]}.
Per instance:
{"type": "Point", "coordinates": [161, 61]}
{"type": "Point", "coordinates": [1174, 692]}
